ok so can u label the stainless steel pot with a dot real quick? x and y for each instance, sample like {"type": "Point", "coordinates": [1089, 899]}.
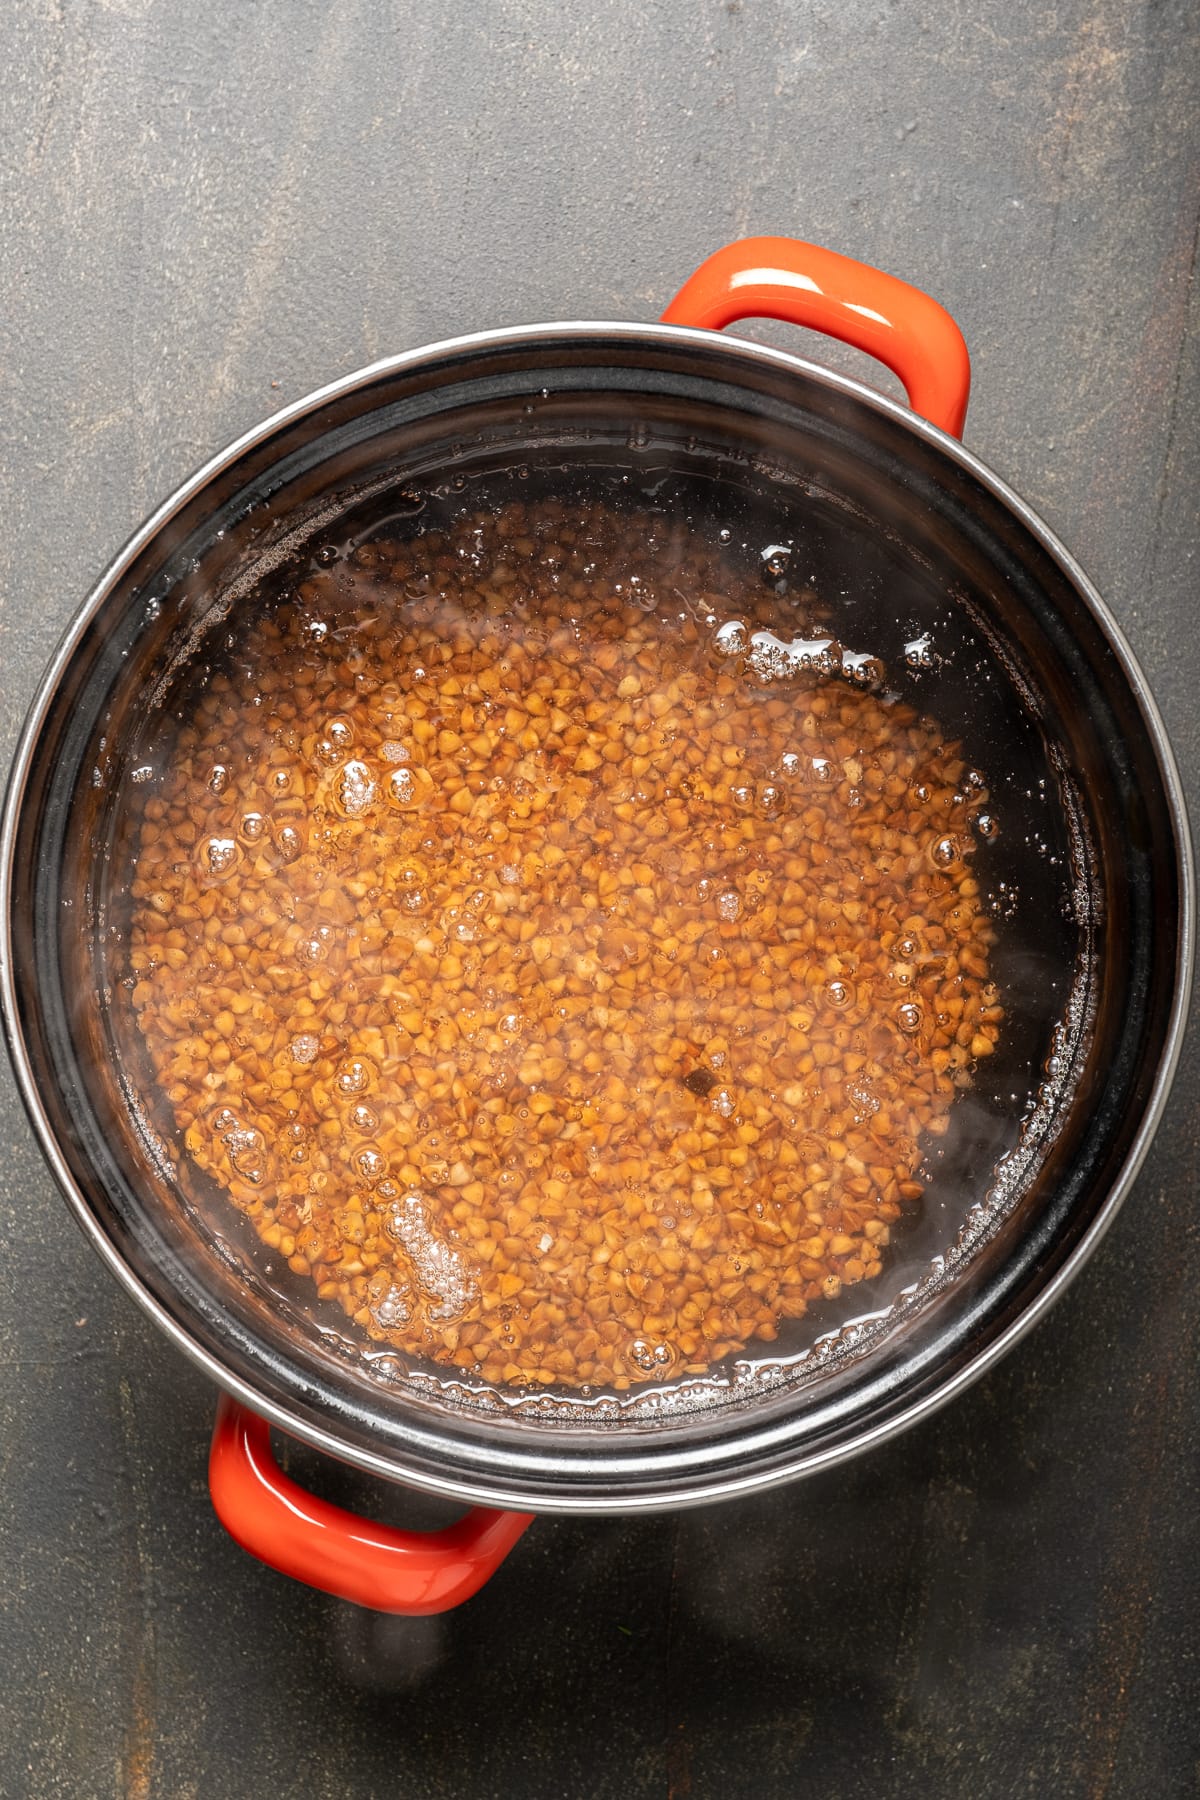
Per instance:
{"type": "Point", "coordinates": [914, 531]}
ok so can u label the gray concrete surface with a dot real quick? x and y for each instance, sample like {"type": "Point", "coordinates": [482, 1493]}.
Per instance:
{"type": "Point", "coordinates": [204, 212]}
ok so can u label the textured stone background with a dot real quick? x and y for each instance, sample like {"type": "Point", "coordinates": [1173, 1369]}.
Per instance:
{"type": "Point", "coordinates": [207, 211]}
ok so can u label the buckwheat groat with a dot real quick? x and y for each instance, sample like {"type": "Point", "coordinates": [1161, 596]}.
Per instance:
{"type": "Point", "coordinates": [556, 958]}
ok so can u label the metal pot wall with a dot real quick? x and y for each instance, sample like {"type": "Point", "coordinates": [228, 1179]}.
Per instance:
{"type": "Point", "coordinates": [915, 531]}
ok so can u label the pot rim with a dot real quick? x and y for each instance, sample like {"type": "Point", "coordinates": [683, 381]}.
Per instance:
{"type": "Point", "coordinates": [496, 1493]}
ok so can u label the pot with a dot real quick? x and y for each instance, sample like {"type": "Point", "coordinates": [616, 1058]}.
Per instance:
{"type": "Point", "coordinates": [1095, 950]}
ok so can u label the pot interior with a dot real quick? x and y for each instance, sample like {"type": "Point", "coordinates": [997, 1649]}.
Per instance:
{"type": "Point", "coordinates": [918, 564]}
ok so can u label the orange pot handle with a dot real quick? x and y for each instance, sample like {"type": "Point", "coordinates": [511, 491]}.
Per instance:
{"type": "Point", "coordinates": [329, 1548]}
{"type": "Point", "coordinates": [783, 278]}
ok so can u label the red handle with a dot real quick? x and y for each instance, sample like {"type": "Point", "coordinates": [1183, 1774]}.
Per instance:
{"type": "Point", "coordinates": [783, 278]}
{"type": "Point", "coordinates": [392, 1571]}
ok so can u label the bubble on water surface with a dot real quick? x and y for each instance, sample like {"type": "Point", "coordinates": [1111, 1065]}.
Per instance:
{"type": "Point", "coordinates": [355, 1075]}
{"type": "Point", "coordinates": [863, 1099]}
{"type": "Point", "coordinates": [408, 785]}
{"type": "Point", "coordinates": [389, 1302]}
{"type": "Point", "coordinates": [370, 1163]}
{"type": "Point", "coordinates": [247, 1152]}
{"type": "Point", "coordinates": [219, 855]}
{"type": "Point", "coordinates": [436, 1264]}
{"type": "Point", "coordinates": [779, 659]}
{"type": "Point", "coordinates": [356, 790]}
{"type": "Point", "coordinates": [652, 1358]}
{"type": "Point", "coordinates": [731, 638]}
{"type": "Point", "coordinates": [862, 668]}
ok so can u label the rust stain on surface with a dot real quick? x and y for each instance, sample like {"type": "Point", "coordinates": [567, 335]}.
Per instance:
{"type": "Point", "coordinates": [137, 1763]}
